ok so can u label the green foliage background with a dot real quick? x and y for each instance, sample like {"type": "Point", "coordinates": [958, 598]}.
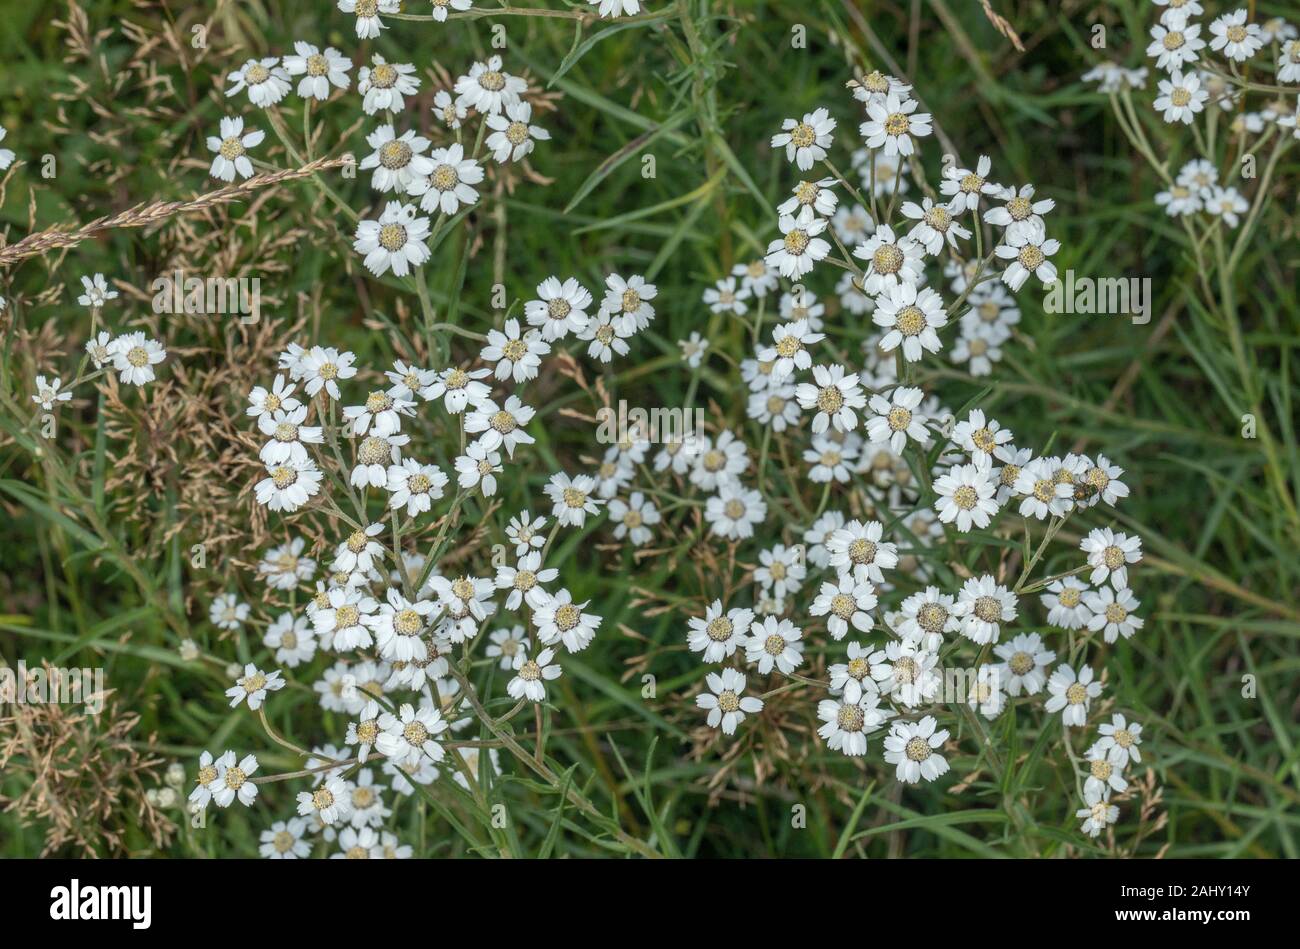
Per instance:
{"type": "Point", "coordinates": [703, 89]}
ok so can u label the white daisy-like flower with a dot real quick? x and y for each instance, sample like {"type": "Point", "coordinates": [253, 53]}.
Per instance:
{"type": "Point", "coordinates": [414, 486]}
{"type": "Point", "coordinates": [322, 368]}
{"type": "Point", "coordinates": [47, 393]}
{"type": "Point", "coordinates": [615, 8]}
{"type": "Point", "coordinates": [1174, 42]}
{"type": "Point", "coordinates": [1028, 251]}
{"type": "Point", "coordinates": [725, 702]}
{"type": "Point", "coordinates": [232, 150]}
{"type": "Point", "coordinates": [289, 484]}
{"type": "Point", "coordinates": [513, 133]}
{"type": "Point", "coordinates": [288, 436]}
{"type": "Point", "coordinates": [408, 381]}
{"type": "Point", "coordinates": [342, 624]}
{"type": "Point", "coordinates": [6, 159]}
{"type": "Point", "coordinates": [693, 350]}
{"type": "Point", "coordinates": [97, 348]}
{"type": "Point", "coordinates": [395, 242]}
{"type": "Point", "coordinates": [985, 692]}
{"type": "Point", "coordinates": [561, 308]}
{"type": "Point", "coordinates": [367, 13]}
{"type": "Point", "coordinates": [384, 86]}
{"type": "Point", "coordinates": [375, 455]}
{"type": "Point", "coordinates": [1098, 813]}
{"type": "Point", "coordinates": [935, 225]}
{"type": "Point", "coordinates": [134, 356]}
{"type": "Point", "coordinates": [399, 625]}
{"type": "Point", "coordinates": [857, 669]}
{"type": "Point", "coordinates": [501, 425]}
{"type": "Point", "coordinates": [232, 781]}
{"type": "Point", "coordinates": [284, 566]}
{"type": "Point", "coordinates": [720, 462]}
{"type": "Point", "coordinates": [1024, 664]}
{"type": "Point", "coordinates": [983, 438]}
{"type": "Point", "coordinates": [226, 612]}
{"type": "Point", "coordinates": [776, 408]}
{"type": "Point", "coordinates": [524, 581]}
{"type": "Point", "coordinates": [450, 112]}
{"type": "Point", "coordinates": [358, 843]}
{"type": "Point", "coordinates": [1020, 214]}
{"type": "Point", "coordinates": [264, 402]}
{"type": "Point", "coordinates": [875, 86]}
{"type": "Point", "coordinates": [283, 840]}
{"type": "Point", "coordinates": [1112, 612]}
{"type": "Point", "coordinates": [852, 225]}
{"type": "Point", "coordinates": [1181, 97]}
{"type": "Point", "coordinates": [907, 672]}
{"type": "Point", "coordinates": [1120, 739]}
{"type": "Point", "coordinates": [517, 355]}
{"type": "Point", "coordinates": [835, 396]}
{"type": "Point", "coordinates": [891, 260]}
{"type": "Point", "coordinates": [266, 80]}
{"type": "Point", "coordinates": [984, 605]}
{"type": "Point", "coordinates": [292, 639]}
{"type": "Point", "coordinates": [360, 551]}
{"type": "Point", "coordinates": [319, 70]}
{"type": "Point", "coordinates": [252, 687]}
{"type": "Point", "coordinates": [755, 277]}
{"type": "Point", "coordinates": [819, 534]}
{"type": "Point", "coordinates": [487, 88]}
{"type": "Point", "coordinates": [478, 467]}
{"type": "Point", "coordinates": [723, 297]}
{"type": "Point", "coordinates": [450, 184]}
{"type": "Point", "coordinates": [627, 302]}
{"type": "Point", "coordinates": [719, 632]}
{"type": "Point", "coordinates": [329, 803]}
{"type": "Point", "coordinates": [1064, 601]}
{"type": "Point", "coordinates": [966, 496]}
{"type": "Point", "coordinates": [831, 458]}
{"type": "Point", "coordinates": [398, 161]}
{"type": "Point", "coordinates": [789, 349]}
{"type": "Point", "coordinates": [205, 781]}
{"type": "Point", "coordinates": [925, 616]}
{"type": "Point", "coordinates": [525, 532]}
{"type": "Point", "coordinates": [965, 186]}
{"type": "Point", "coordinates": [1071, 694]}
{"type": "Point", "coordinates": [1227, 204]}
{"type": "Point", "coordinates": [811, 194]}
{"type": "Point", "coordinates": [895, 420]}
{"type": "Point", "coordinates": [1104, 772]}
{"type": "Point", "coordinates": [913, 747]}
{"type": "Point", "coordinates": [805, 142]}
{"type": "Point", "coordinates": [858, 550]}
{"type": "Point", "coordinates": [803, 305]}
{"type": "Point", "coordinates": [848, 719]}
{"type": "Point", "coordinates": [506, 644]}
{"type": "Point", "coordinates": [1044, 494]}
{"type": "Point", "coordinates": [893, 124]}
{"type": "Point", "coordinates": [1109, 554]}
{"type": "Point", "coordinates": [781, 570]}
{"type": "Point", "coordinates": [411, 734]}
{"type": "Point", "coordinates": [1288, 65]}
{"type": "Point", "coordinates": [634, 518]}
{"type": "Point", "coordinates": [458, 388]}
{"type": "Point", "coordinates": [1237, 39]}
{"type": "Point", "coordinates": [734, 511]}
{"type": "Point", "coordinates": [531, 675]}
{"type": "Point", "coordinates": [571, 498]}
{"type": "Point", "coordinates": [560, 619]}
{"type": "Point", "coordinates": [776, 643]}
{"type": "Point", "coordinates": [910, 318]}
{"type": "Point", "coordinates": [1102, 481]}
{"type": "Point", "coordinates": [847, 602]}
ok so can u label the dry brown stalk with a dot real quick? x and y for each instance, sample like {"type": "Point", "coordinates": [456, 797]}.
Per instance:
{"type": "Point", "coordinates": [143, 215]}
